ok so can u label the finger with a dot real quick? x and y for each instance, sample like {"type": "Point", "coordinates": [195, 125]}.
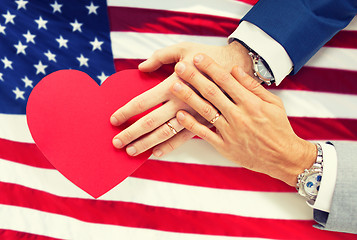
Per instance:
{"type": "Point", "coordinates": [173, 143]}
{"type": "Point", "coordinates": [139, 104]}
{"type": "Point", "coordinates": [221, 77]}
{"type": "Point", "coordinates": [144, 125]}
{"type": "Point", "coordinates": [207, 88]}
{"type": "Point", "coordinates": [204, 108]}
{"type": "Point", "coordinates": [253, 86]}
{"type": "Point", "coordinates": [167, 55]}
{"type": "Point", "coordinates": [159, 135]}
{"type": "Point", "coordinates": [191, 124]}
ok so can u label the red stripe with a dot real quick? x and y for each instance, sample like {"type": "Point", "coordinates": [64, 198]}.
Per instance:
{"type": "Point", "coordinates": [16, 235]}
{"type": "Point", "coordinates": [161, 218]}
{"type": "Point", "coordinates": [325, 128]}
{"type": "Point", "coordinates": [143, 20]}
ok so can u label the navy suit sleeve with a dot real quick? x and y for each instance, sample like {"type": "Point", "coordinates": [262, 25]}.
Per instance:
{"type": "Point", "coordinates": [302, 27]}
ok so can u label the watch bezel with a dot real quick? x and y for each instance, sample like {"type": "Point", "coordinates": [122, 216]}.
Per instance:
{"type": "Point", "coordinates": [303, 182]}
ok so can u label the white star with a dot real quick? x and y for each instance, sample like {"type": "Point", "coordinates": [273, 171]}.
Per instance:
{"type": "Point", "coordinates": [20, 48]}
{"type": "Point", "coordinates": [28, 82]}
{"type": "Point", "coordinates": [102, 77]}
{"type": "Point", "coordinates": [19, 93]}
{"type": "Point", "coordinates": [92, 9]}
{"type": "Point", "coordinates": [56, 7]}
{"type": "Point", "coordinates": [9, 17]}
{"type": "Point", "coordinates": [1, 77]}
{"type": "Point", "coordinates": [21, 4]}
{"type": "Point", "coordinates": [76, 26]}
{"type": "Point", "coordinates": [41, 23]}
{"type": "Point", "coordinates": [29, 37]}
{"type": "Point", "coordinates": [40, 68]}
{"type": "Point", "coordinates": [50, 56]}
{"type": "Point", "coordinates": [62, 42]}
{"type": "Point", "coordinates": [96, 44]}
{"type": "Point", "coordinates": [7, 63]}
{"type": "Point", "coordinates": [83, 61]}
{"type": "Point", "coordinates": [2, 29]}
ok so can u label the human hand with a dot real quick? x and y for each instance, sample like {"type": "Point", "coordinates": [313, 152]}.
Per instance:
{"type": "Point", "coordinates": [252, 127]}
{"type": "Point", "coordinates": [151, 130]}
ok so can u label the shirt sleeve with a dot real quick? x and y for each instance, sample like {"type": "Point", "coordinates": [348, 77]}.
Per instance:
{"type": "Point", "coordinates": [269, 49]}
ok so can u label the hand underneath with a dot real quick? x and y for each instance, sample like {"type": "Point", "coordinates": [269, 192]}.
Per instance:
{"type": "Point", "coordinates": [152, 130]}
{"type": "Point", "coordinates": [252, 127]}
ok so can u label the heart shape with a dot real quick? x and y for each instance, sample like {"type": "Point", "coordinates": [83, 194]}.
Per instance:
{"type": "Point", "coordinates": [68, 117]}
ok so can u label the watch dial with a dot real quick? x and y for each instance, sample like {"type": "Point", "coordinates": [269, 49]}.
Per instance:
{"type": "Point", "coordinates": [312, 184]}
{"type": "Point", "coordinates": [263, 71]}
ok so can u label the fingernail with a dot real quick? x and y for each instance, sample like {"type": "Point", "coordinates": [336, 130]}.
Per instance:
{"type": "Point", "coordinates": [181, 116]}
{"type": "Point", "coordinates": [117, 143]}
{"type": "Point", "coordinates": [180, 67]}
{"type": "Point", "coordinates": [241, 72]}
{"type": "Point", "coordinates": [131, 150]}
{"type": "Point", "coordinates": [198, 58]}
{"type": "Point", "coordinates": [114, 121]}
{"type": "Point", "coordinates": [177, 87]}
{"type": "Point", "coordinates": [157, 153]}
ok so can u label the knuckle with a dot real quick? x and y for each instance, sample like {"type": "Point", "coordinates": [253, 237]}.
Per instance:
{"type": "Point", "coordinates": [188, 96]}
{"type": "Point", "coordinates": [148, 123]}
{"type": "Point", "coordinates": [252, 84]}
{"type": "Point", "coordinates": [191, 76]}
{"type": "Point", "coordinates": [210, 91]}
{"type": "Point", "coordinates": [207, 111]}
{"type": "Point", "coordinates": [170, 146]}
{"type": "Point", "coordinates": [165, 133]}
{"type": "Point", "coordinates": [139, 104]}
{"type": "Point", "coordinates": [142, 146]}
{"type": "Point", "coordinates": [127, 137]}
{"type": "Point", "coordinates": [223, 77]}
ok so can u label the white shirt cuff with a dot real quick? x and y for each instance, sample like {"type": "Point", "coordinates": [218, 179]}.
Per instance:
{"type": "Point", "coordinates": [269, 49]}
{"type": "Point", "coordinates": [328, 181]}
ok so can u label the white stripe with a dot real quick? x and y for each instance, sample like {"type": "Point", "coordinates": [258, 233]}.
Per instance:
{"type": "Point", "coordinates": [132, 45]}
{"type": "Point", "coordinates": [63, 227]}
{"type": "Point", "coordinates": [14, 127]}
{"type": "Point", "coordinates": [318, 105]}
{"type": "Point", "coordinates": [224, 8]}
{"type": "Point", "coordinates": [154, 193]}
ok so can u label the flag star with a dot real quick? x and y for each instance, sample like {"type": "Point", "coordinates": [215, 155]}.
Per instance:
{"type": "Point", "coordinates": [29, 37]}
{"type": "Point", "coordinates": [21, 4]}
{"type": "Point", "coordinates": [19, 93]}
{"type": "Point", "coordinates": [76, 26]}
{"type": "Point", "coordinates": [1, 79]}
{"type": "Point", "coordinates": [41, 23]}
{"type": "Point", "coordinates": [102, 77]}
{"type": "Point", "coordinates": [50, 56]}
{"type": "Point", "coordinates": [20, 48]}
{"type": "Point", "coordinates": [83, 61]}
{"type": "Point", "coordinates": [2, 29]}
{"type": "Point", "coordinates": [56, 7]}
{"type": "Point", "coordinates": [40, 68]}
{"type": "Point", "coordinates": [28, 82]}
{"type": "Point", "coordinates": [96, 44]}
{"type": "Point", "coordinates": [92, 9]}
{"type": "Point", "coordinates": [7, 63]}
{"type": "Point", "coordinates": [62, 42]}
{"type": "Point", "coordinates": [9, 17]}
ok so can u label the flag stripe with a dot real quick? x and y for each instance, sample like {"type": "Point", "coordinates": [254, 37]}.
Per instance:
{"type": "Point", "coordinates": [273, 205]}
{"type": "Point", "coordinates": [144, 44]}
{"type": "Point", "coordinates": [158, 218]}
{"type": "Point", "coordinates": [17, 235]}
{"type": "Point", "coordinates": [128, 19]}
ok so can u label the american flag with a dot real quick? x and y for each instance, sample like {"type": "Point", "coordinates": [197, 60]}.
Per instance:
{"type": "Point", "coordinates": [192, 193]}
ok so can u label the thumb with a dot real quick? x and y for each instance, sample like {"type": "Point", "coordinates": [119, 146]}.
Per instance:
{"type": "Point", "coordinates": [253, 86]}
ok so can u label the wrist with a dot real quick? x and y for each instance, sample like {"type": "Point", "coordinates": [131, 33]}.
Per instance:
{"type": "Point", "coordinates": [240, 56]}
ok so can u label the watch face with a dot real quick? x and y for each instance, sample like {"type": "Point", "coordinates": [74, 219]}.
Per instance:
{"type": "Point", "coordinates": [263, 71]}
{"type": "Point", "coordinates": [312, 184]}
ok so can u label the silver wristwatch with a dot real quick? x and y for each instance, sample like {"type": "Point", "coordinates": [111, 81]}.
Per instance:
{"type": "Point", "coordinates": [308, 182]}
{"type": "Point", "coordinates": [261, 69]}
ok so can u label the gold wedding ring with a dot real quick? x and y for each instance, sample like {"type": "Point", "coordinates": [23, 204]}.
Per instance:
{"type": "Point", "coordinates": [215, 118]}
{"type": "Point", "coordinates": [172, 129]}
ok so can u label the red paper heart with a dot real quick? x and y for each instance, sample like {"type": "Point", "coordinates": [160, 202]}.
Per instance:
{"type": "Point", "coordinates": [68, 117]}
